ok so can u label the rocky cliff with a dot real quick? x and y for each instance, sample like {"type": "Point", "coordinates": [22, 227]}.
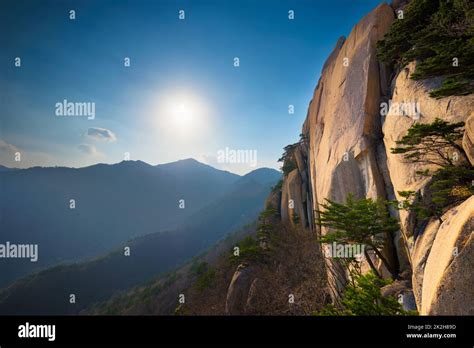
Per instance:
{"type": "Point", "coordinates": [345, 148]}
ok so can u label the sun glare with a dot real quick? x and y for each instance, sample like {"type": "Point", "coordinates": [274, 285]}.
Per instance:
{"type": "Point", "coordinates": [182, 113]}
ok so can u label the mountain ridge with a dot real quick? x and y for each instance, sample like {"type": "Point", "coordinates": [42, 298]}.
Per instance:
{"type": "Point", "coordinates": [150, 254]}
{"type": "Point", "coordinates": [177, 163]}
{"type": "Point", "coordinates": [126, 200]}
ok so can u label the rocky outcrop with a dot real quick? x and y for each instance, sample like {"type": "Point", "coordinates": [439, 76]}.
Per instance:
{"type": "Point", "coordinates": [468, 140]}
{"type": "Point", "coordinates": [409, 94]}
{"type": "Point", "coordinates": [420, 254]}
{"type": "Point", "coordinates": [252, 302]}
{"type": "Point", "coordinates": [401, 289]}
{"type": "Point", "coordinates": [296, 206]}
{"type": "Point", "coordinates": [411, 103]}
{"type": "Point", "coordinates": [343, 124]}
{"type": "Point", "coordinates": [292, 199]}
{"type": "Point", "coordinates": [238, 290]}
{"type": "Point", "coordinates": [447, 277]}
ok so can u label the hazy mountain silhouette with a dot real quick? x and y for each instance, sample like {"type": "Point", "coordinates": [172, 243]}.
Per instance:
{"type": "Point", "coordinates": [5, 169]}
{"type": "Point", "coordinates": [47, 292]}
{"type": "Point", "coordinates": [113, 203]}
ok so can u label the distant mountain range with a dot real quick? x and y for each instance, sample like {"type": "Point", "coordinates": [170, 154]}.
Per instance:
{"type": "Point", "coordinates": [5, 169]}
{"type": "Point", "coordinates": [115, 203]}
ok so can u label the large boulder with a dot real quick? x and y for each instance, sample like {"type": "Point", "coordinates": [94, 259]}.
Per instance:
{"type": "Point", "coordinates": [468, 140]}
{"type": "Point", "coordinates": [420, 254]}
{"type": "Point", "coordinates": [442, 259]}
{"type": "Point", "coordinates": [448, 277]}
{"type": "Point", "coordinates": [238, 290]}
{"type": "Point", "coordinates": [401, 289]}
{"type": "Point", "coordinates": [256, 288]}
{"type": "Point", "coordinates": [292, 199]}
{"type": "Point", "coordinates": [343, 122]}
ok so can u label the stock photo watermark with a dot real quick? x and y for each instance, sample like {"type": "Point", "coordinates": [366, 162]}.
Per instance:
{"type": "Point", "coordinates": [19, 251]}
{"type": "Point", "coordinates": [237, 156]}
{"type": "Point", "coordinates": [75, 109]}
{"type": "Point", "coordinates": [345, 251]}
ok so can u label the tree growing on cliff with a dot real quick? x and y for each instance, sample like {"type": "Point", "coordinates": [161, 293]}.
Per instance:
{"type": "Point", "coordinates": [362, 221]}
{"type": "Point", "coordinates": [364, 297]}
{"type": "Point", "coordinates": [439, 35]}
{"type": "Point", "coordinates": [439, 144]}
{"type": "Point", "coordinates": [288, 159]}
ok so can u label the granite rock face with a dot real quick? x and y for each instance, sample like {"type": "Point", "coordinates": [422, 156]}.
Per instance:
{"type": "Point", "coordinates": [468, 140]}
{"type": "Point", "coordinates": [358, 111]}
{"type": "Point", "coordinates": [448, 272]}
{"type": "Point", "coordinates": [238, 290]}
{"type": "Point", "coordinates": [292, 199]}
{"type": "Point", "coordinates": [343, 123]}
{"type": "Point", "coordinates": [411, 103]}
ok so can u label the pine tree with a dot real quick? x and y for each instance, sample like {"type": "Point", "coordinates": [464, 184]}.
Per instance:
{"type": "Point", "coordinates": [439, 35]}
{"type": "Point", "coordinates": [364, 297]}
{"type": "Point", "coordinates": [359, 222]}
{"type": "Point", "coordinates": [433, 143]}
{"type": "Point", "coordinates": [437, 143]}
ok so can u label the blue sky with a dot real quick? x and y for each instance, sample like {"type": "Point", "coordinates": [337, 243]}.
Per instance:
{"type": "Point", "coordinates": [182, 96]}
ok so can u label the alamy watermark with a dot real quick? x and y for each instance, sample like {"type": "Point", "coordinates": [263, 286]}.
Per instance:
{"type": "Point", "coordinates": [233, 156]}
{"type": "Point", "coordinates": [411, 109]}
{"type": "Point", "coordinates": [21, 251]}
{"type": "Point", "coordinates": [67, 108]}
{"type": "Point", "coordinates": [28, 330]}
{"type": "Point", "coordinates": [345, 251]}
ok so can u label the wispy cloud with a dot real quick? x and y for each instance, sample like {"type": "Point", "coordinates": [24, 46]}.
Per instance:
{"type": "Point", "coordinates": [87, 149]}
{"type": "Point", "coordinates": [101, 134]}
{"type": "Point", "coordinates": [15, 157]}
{"type": "Point", "coordinates": [7, 150]}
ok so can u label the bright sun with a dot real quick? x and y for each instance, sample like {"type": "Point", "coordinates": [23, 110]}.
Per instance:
{"type": "Point", "coordinates": [182, 113]}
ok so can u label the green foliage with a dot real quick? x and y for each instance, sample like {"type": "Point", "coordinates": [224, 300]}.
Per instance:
{"type": "Point", "coordinates": [411, 201]}
{"type": "Point", "coordinates": [204, 273]}
{"type": "Point", "coordinates": [278, 186]}
{"type": "Point", "coordinates": [249, 247]}
{"type": "Point", "coordinates": [199, 268]}
{"type": "Point", "coordinates": [433, 143]}
{"type": "Point", "coordinates": [249, 250]}
{"type": "Point", "coordinates": [437, 143]}
{"type": "Point", "coordinates": [206, 279]}
{"type": "Point", "coordinates": [450, 185]}
{"type": "Point", "coordinates": [434, 32]}
{"type": "Point", "coordinates": [289, 164]}
{"type": "Point", "coordinates": [358, 222]}
{"type": "Point", "coordinates": [296, 219]}
{"type": "Point", "coordinates": [399, 39]}
{"type": "Point", "coordinates": [265, 226]}
{"type": "Point", "coordinates": [454, 85]}
{"type": "Point", "coordinates": [288, 159]}
{"type": "Point", "coordinates": [364, 297]}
